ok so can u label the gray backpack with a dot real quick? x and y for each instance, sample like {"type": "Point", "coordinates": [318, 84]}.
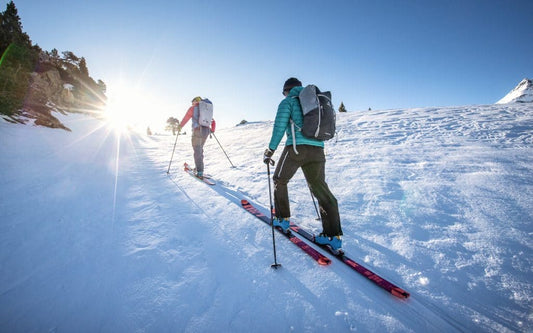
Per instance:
{"type": "Point", "coordinates": [319, 114]}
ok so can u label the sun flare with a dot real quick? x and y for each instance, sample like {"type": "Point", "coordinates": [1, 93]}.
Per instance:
{"type": "Point", "coordinates": [129, 108]}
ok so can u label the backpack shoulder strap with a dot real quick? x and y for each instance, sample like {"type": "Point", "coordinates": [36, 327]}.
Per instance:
{"type": "Point", "coordinates": [293, 131]}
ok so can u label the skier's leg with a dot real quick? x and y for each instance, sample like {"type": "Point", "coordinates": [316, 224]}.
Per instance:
{"type": "Point", "coordinates": [329, 210]}
{"type": "Point", "coordinates": [285, 169]}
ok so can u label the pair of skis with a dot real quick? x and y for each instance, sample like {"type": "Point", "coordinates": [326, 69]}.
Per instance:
{"type": "Point", "coordinates": [206, 178]}
{"type": "Point", "coordinates": [320, 258]}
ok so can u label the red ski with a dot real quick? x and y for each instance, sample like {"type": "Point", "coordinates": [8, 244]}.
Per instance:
{"type": "Point", "coordinates": [378, 280]}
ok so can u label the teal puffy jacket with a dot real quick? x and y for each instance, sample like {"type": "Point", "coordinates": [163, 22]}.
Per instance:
{"type": "Point", "coordinates": [288, 109]}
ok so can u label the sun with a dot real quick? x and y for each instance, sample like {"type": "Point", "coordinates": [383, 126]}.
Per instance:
{"type": "Point", "coordinates": [129, 108]}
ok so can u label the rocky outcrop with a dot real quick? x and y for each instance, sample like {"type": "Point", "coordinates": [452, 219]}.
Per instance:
{"type": "Point", "coordinates": [46, 94]}
{"type": "Point", "coordinates": [53, 89]}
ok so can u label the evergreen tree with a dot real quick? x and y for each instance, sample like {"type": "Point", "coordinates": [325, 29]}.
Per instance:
{"type": "Point", "coordinates": [70, 57]}
{"type": "Point", "coordinates": [342, 108]}
{"type": "Point", "coordinates": [102, 86]}
{"type": "Point", "coordinates": [18, 58]}
{"type": "Point", "coordinates": [14, 78]}
{"type": "Point", "coordinates": [10, 26]}
{"type": "Point", "coordinates": [11, 29]}
{"type": "Point", "coordinates": [83, 67]}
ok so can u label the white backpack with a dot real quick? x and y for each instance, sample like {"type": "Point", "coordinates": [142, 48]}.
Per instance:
{"type": "Point", "coordinates": [205, 112]}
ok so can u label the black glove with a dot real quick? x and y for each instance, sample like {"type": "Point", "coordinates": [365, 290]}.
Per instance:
{"type": "Point", "coordinates": [267, 158]}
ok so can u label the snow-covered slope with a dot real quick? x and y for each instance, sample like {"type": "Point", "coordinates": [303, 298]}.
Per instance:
{"type": "Point", "coordinates": [522, 93]}
{"type": "Point", "coordinates": [95, 236]}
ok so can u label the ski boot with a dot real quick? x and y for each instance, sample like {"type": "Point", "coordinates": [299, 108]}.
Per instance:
{"type": "Point", "coordinates": [283, 223]}
{"type": "Point", "coordinates": [334, 244]}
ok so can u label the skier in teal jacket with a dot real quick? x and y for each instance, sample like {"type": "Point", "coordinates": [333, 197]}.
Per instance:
{"type": "Point", "coordinates": [288, 109]}
{"type": "Point", "coordinates": [305, 153]}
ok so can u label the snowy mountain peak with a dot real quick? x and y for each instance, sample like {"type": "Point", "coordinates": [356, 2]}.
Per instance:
{"type": "Point", "coordinates": [522, 93]}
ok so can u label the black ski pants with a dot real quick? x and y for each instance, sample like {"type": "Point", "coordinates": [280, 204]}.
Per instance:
{"type": "Point", "coordinates": [312, 161]}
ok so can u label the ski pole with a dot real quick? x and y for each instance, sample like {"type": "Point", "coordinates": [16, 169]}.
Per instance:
{"type": "Point", "coordinates": [172, 156]}
{"type": "Point", "coordinates": [222, 149]}
{"type": "Point", "coordinates": [314, 203]}
{"type": "Point", "coordinates": [275, 264]}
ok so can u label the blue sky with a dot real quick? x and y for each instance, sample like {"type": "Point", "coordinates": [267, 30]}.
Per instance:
{"type": "Point", "coordinates": [378, 54]}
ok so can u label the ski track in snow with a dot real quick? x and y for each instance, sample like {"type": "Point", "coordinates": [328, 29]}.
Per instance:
{"type": "Point", "coordinates": [97, 236]}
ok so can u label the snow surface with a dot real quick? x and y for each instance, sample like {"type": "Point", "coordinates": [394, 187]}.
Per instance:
{"type": "Point", "coordinates": [95, 236]}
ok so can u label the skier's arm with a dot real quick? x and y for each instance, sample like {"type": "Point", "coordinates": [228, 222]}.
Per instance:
{"type": "Point", "coordinates": [188, 115]}
{"type": "Point", "coordinates": [280, 124]}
